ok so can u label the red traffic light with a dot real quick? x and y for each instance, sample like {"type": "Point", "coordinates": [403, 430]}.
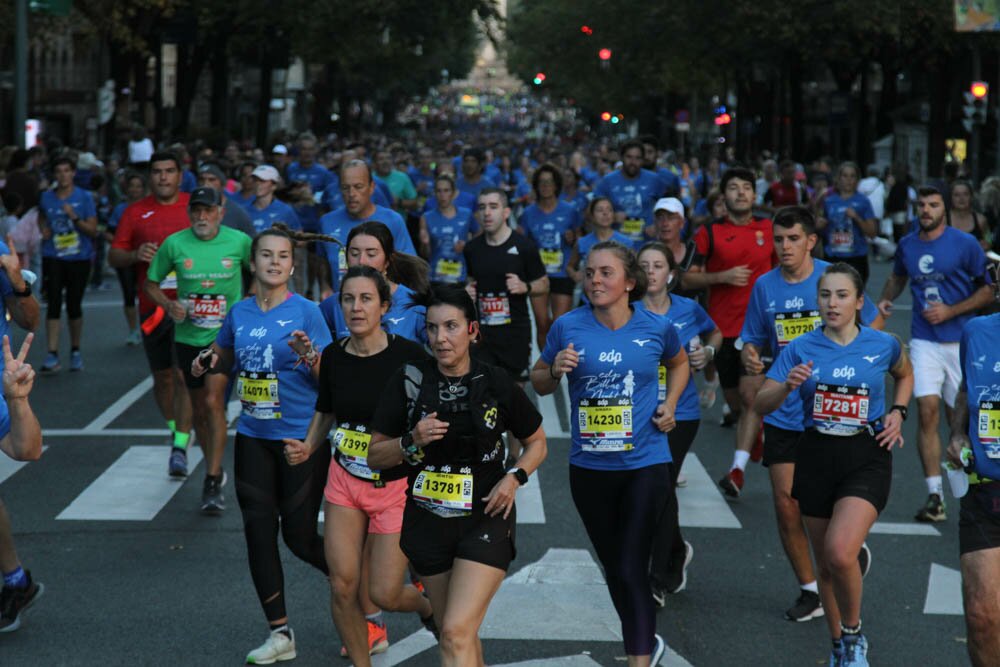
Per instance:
{"type": "Point", "coordinates": [586, 30]}
{"type": "Point", "coordinates": [604, 54]}
{"type": "Point", "coordinates": [723, 119]}
{"type": "Point", "coordinates": [979, 89]}
{"type": "Point", "coordinates": [606, 116]}
{"type": "Point", "coordinates": [539, 78]}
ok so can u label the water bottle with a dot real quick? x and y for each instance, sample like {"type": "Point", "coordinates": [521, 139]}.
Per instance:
{"type": "Point", "coordinates": [958, 478]}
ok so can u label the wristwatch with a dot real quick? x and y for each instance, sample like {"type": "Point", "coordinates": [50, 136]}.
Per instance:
{"type": "Point", "coordinates": [26, 292]}
{"type": "Point", "coordinates": [901, 409]}
{"type": "Point", "coordinates": [519, 475]}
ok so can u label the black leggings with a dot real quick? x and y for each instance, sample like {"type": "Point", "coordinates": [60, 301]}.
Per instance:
{"type": "Point", "coordinates": [126, 278]}
{"type": "Point", "coordinates": [668, 543]}
{"type": "Point", "coordinates": [62, 275]}
{"type": "Point", "coordinates": [267, 487]}
{"type": "Point", "coordinates": [620, 510]}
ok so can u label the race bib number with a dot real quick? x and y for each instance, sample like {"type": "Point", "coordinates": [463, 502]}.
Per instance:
{"type": "Point", "coordinates": [494, 309]}
{"type": "Point", "coordinates": [840, 410]}
{"type": "Point", "coordinates": [633, 226]}
{"type": "Point", "coordinates": [552, 259]}
{"type": "Point", "coordinates": [258, 394]}
{"type": "Point", "coordinates": [605, 424]}
{"type": "Point", "coordinates": [661, 384]}
{"type": "Point", "coordinates": [170, 282]}
{"type": "Point", "coordinates": [444, 494]}
{"type": "Point", "coordinates": [352, 442]}
{"type": "Point", "coordinates": [207, 311]}
{"type": "Point", "coordinates": [842, 240]}
{"type": "Point", "coordinates": [67, 244]}
{"type": "Point", "coordinates": [789, 326]}
{"type": "Point", "coordinates": [989, 428]}
{"type": "Point", "coordinates": [448, 270]}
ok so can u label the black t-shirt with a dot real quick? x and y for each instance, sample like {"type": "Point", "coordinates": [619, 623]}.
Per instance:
{"type": "Point", "coordinates": [461, 447]}
{"type": "Point", "coordinates": [488, 266]}
{"type": "Point", "coordinates": [351, 387]}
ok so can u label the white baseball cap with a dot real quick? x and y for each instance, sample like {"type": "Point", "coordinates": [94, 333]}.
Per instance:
{"type": "Point", "coordinates": [280, 149]}
{"type": "Point", "coordinates": [671, 204]}
{"type": "Point", "coordinates": [266, 172]}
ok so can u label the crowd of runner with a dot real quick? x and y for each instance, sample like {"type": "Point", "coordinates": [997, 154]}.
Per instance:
{"type": "Point", "coordinates": [371, 306]}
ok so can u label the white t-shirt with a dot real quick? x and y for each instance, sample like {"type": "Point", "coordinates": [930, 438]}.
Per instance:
{"type": "Point", "coordinates": [140, 151]}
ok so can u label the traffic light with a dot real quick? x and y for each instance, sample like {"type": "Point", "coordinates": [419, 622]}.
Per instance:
{"type": "Point", "coordinates": [722, 116]}
{"type": "Point", "coordinates": [606, 116]}
{"type": "Point", "coordinates": [976, 100]}
{"type": "Point", "coordinates": [617, 119]}
{"type": "Point", "coordinates": [604, 54]}
{"type": "Point", "coordinates": [586, 30]}
{"type": "Point", "coordinates": [539, 78]}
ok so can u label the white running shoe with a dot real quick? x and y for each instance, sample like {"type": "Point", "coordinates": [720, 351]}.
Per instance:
{"type": "Point", "coordinates": [277, 648]}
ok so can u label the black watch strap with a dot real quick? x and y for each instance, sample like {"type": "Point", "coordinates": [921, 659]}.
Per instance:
{"type": "Point", "coordinates": [26, 292]}
{"type": "Point", "coordinates": [903, 411]}
{"type": "Point", "coordinates": [519, 475]}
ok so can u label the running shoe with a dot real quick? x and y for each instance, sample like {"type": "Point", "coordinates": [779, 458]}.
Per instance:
{"type": "Point", "coordinates": [15, 601]}
{"type": "Point", "coordinates": [865, 559]}
{"type": "Point", "coordinates": [806, 608]}
{"type": "Point", "coordinates": [133, 338]}
{"type": "Point", "coordinates": [732, 483]}
{"type": "Point", "coordinates": [933, 510]}
{"type": "Point", "coordinates": [729, 418]}
{"type": "Point", "coordinates": [75, 361]}
{"type": "Point", "coordinates": [659, 597]}
{"type": "Point", "coordinates": [837, 653]}
{"type": "Point", "coordinates": [178, 463]}
{"type": "Point", "coordinates": [278, 647]}
{"type": "Point", "coordinates": [855, 651]}
{"type": "Point", "coordinates": [51, 363]}
{"type": "Point", "coordinates": [431, 626]}
{"type": "Point", "coordinates": [212, 500]}
{"type": "Point", "coordinates": [678, 580]}
{"type": "Point", "coordinates": [659, 648]}
{"type": "Point", "coordinates": [378, 639]}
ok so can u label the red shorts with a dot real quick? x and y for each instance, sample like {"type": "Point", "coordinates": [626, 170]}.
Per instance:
{"type": "Point", "coordinates": [384, 506]}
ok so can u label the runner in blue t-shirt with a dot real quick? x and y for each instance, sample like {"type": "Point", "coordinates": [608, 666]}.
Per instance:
{"type": "Point", "coordinates": [848, 221]}
{"type": "Point", "coordinates": [553, 226]}
{"type": "Point", "coordinates": [371, 244]}
{"type": "Point", "coordinates": [633, 191]}
{"type": "Point", "coordinates": [443, 233]}
{"type": "Point", "coordinates": [700, 336]}
{"type": "Point", "coordinates": [946, 269]}
{"type": "Point", "coordinates": [357, 186]}
{"type": "Point", "coordinates": [783, 306]}
{"type": "Point", "coordinates": [976, 429]}
{"type": "Point", "coordinates": [68, 220]}
{"type": "Point", "coordinates": [265, 210]}
{"type": "Point", "coordinates": [272, 342]}
{"type": "Point", "coordinates": [843, 467]}
{"type": "Point", "coordinates": [601, 214]}
{"type": "Point", "coordinates": [619, 477]}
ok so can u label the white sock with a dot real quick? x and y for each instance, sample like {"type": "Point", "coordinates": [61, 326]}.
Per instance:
{"type": "Point", "coordinates": [740, 459]}
{"type": "Point", "coordinates": [934, 484]}
{"type": "Point", "coordinates": [811, 586]}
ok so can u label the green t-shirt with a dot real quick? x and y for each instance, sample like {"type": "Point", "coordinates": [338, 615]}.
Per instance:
{"type": "Point", "coordinates": [400, 185]}
{"type": "Point", "coordinates": [209, 279]}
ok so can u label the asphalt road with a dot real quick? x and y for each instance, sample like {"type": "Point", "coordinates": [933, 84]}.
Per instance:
{"type": "Point", "coordinates": [174, 588]}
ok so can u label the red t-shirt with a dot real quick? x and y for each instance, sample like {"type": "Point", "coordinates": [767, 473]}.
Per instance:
{"type": "Point", "coordinates": [148, 221]}
{"type": "Point", "coordinates": [735, 245]}
{"type": "Point", "coordinates": [779, 194]}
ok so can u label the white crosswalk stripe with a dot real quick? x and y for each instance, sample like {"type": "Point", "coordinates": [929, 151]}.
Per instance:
{"type": "Point", "coordinates": [9, 466]}
{"type": "Point", "coordinates": [134, 488]}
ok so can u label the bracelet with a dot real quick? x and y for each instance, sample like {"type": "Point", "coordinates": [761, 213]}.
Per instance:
{"type": "Point", "coordinates": [413, 454]}
{"type": "Point", "coordinates": [553, 375]}
{"type": "Point", "coordinates": [310, 358]}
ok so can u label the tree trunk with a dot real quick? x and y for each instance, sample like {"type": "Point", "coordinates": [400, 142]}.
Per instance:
{"type": "Point", "coordinates": [190, 61]}
{"type": "Point", "coordinates": [795, 103]}
{"type": "Point", "coordinates": [938, 89]}
{"type": "Point", "coordinates": [263, 103]}
{"type": "Point", "coordinates": [219, 114]}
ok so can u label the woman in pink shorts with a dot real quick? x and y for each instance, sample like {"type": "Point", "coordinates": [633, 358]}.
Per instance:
{"type": "Point", "coordinates": [362, 503]}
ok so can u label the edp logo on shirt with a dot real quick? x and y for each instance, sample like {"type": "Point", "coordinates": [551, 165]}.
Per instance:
{"type": "Point", "coordinates": [797, 302]}
{"type": "Point", "coordinates": [614, 358]}
{"type": "Point", "coordinates": [845, 372]}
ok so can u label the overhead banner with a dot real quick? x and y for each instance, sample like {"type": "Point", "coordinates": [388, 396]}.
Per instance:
{"type": "Point", "coordinates": [977, 15]}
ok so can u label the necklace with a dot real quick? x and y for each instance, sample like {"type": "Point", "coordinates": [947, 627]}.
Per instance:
{"type": "Point", "coordinates": [454, 384]}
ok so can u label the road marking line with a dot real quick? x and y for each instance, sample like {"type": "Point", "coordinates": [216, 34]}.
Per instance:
{"type": "Point", "coordinates": [944, 591]}
{"type": "Point", "coordinates": [887, 528]}
{"type": "Point", "coordinates": [400, 651]}
{"type": "Point", "coordinates": [529, 502]}
{"type": "Point", "coordinates": [134, 488]}
{"type": "Point", "coordinates": [120, 406]}
{"type": "Point", "coordinates": [109, 432]}
{"type": "Point", "coordinates": [700, 503]}
{"type": "Point", "coordinates": [9, 466]}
